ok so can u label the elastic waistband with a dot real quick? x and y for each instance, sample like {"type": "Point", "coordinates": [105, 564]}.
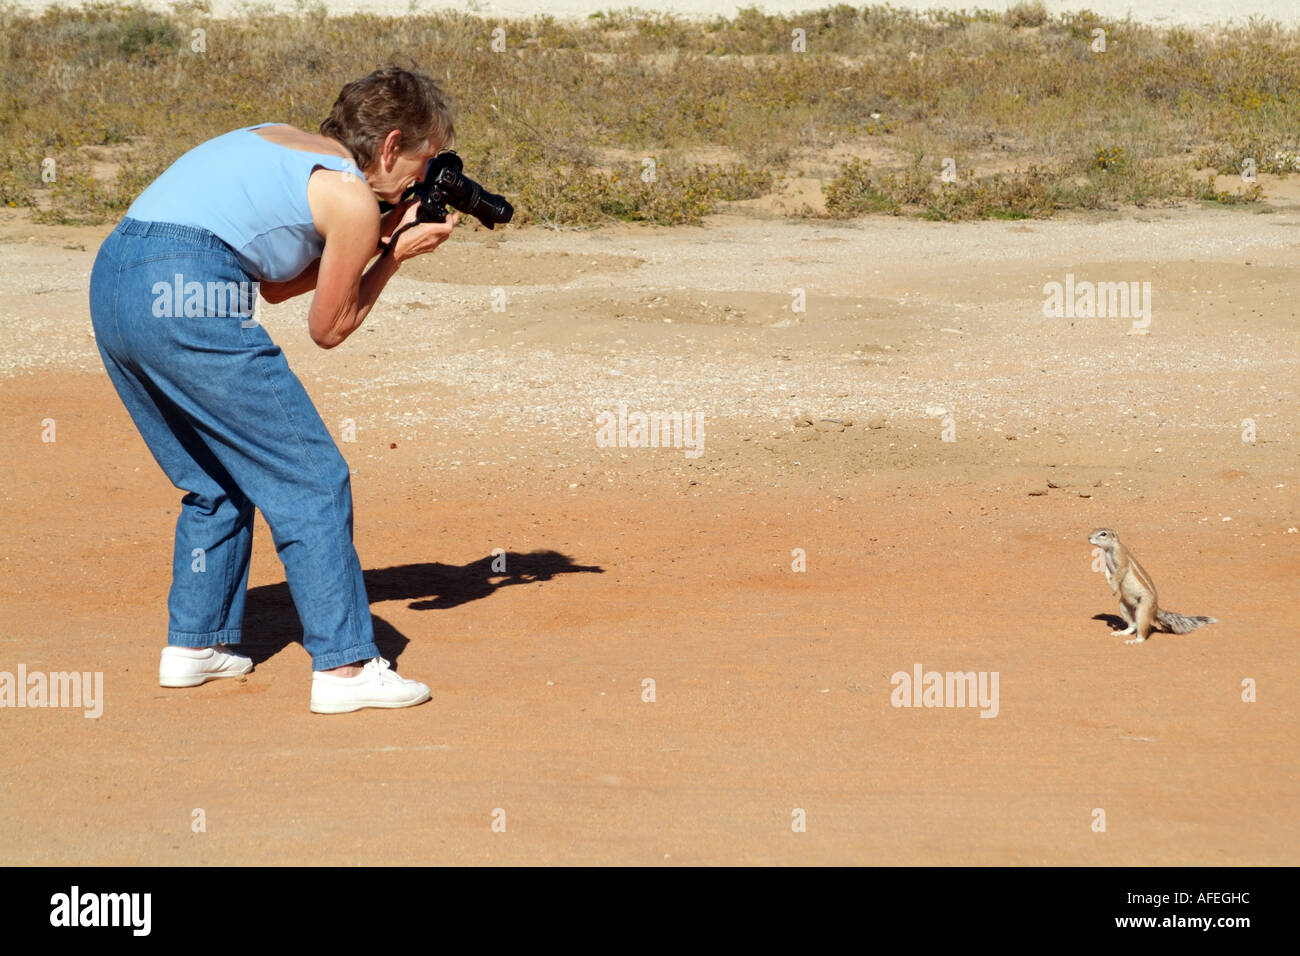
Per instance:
{"type": "Point", "coordinates": [171, 230]}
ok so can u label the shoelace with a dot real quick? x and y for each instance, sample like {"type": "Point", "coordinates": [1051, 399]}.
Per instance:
{"type": "Point", "coordinates": [381, 668]}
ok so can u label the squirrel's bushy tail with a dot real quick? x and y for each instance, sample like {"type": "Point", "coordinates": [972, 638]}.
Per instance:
{"type": "Point", "coordinates": [1181, 623]}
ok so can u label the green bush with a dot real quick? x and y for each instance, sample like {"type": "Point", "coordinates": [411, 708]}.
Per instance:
{"type": "Point", "coordinates": [550, 120]}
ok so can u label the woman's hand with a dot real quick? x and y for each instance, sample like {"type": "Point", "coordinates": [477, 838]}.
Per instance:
{"type": "Point", "coordinates": [390, 220]}
{"type": "Point", "coordinates": [422, 237]}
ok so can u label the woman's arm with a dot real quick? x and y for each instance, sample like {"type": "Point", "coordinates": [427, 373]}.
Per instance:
{"type": "Point", "coordinates": [305, 281]}
{"type": "Point", "coordinates": [275, 292]}
{"type": "Point", "coordinates": [344, 211]}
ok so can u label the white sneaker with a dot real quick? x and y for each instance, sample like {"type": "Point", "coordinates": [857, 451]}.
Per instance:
{"type": "Point", "coordinates": [192, 666]}
{"type": "Point", "coordinates": [375, 686]}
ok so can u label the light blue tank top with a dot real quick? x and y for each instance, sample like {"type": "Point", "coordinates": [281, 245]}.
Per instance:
{"type": "Point", "coordinates": [249, 192]}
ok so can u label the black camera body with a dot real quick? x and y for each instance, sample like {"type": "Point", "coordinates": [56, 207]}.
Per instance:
{"type": "Point", "coordinates": [445, 185]}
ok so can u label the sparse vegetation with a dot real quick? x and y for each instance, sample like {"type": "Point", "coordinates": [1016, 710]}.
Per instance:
{"type": "Point", "coordinates": [561, 120]}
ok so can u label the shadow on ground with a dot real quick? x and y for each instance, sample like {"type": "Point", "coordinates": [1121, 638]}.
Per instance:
{"type": "Point", "coordinates": [271, 621]}
{"type": "Point", "coordinates": [1116, 622]}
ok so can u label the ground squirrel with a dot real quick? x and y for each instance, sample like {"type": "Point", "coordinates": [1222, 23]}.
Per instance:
{"type": "Point", "coordinates": [1137, 592]}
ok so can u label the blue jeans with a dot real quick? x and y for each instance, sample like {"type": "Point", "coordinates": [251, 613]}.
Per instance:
{"type": "Point", "coordinates": [232, 427]}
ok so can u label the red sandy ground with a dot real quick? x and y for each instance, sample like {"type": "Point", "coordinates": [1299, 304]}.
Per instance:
{"type": "Point", "coordinates": [772, 687]}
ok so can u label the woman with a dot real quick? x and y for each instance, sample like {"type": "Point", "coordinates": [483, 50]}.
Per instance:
{"type": "Point", "coordinates": [287, 212]}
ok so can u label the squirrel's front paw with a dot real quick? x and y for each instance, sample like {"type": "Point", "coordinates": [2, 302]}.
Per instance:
{"type": "Point", "coordinates": [1135, 640]}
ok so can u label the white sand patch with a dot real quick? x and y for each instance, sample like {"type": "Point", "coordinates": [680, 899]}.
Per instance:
{"type": "Point", "coordinates": [1165, 12]}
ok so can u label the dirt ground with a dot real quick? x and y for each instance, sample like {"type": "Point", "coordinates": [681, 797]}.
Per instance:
{"type": "Point", "coordinates": [824, 430]}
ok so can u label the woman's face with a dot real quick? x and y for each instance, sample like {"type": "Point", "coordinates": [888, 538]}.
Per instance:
{"type": "Point", "coordinates": [396, 171]}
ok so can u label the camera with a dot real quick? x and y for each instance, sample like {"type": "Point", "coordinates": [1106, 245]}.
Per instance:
{"type": "Point", "coordinates": [445, 185]}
